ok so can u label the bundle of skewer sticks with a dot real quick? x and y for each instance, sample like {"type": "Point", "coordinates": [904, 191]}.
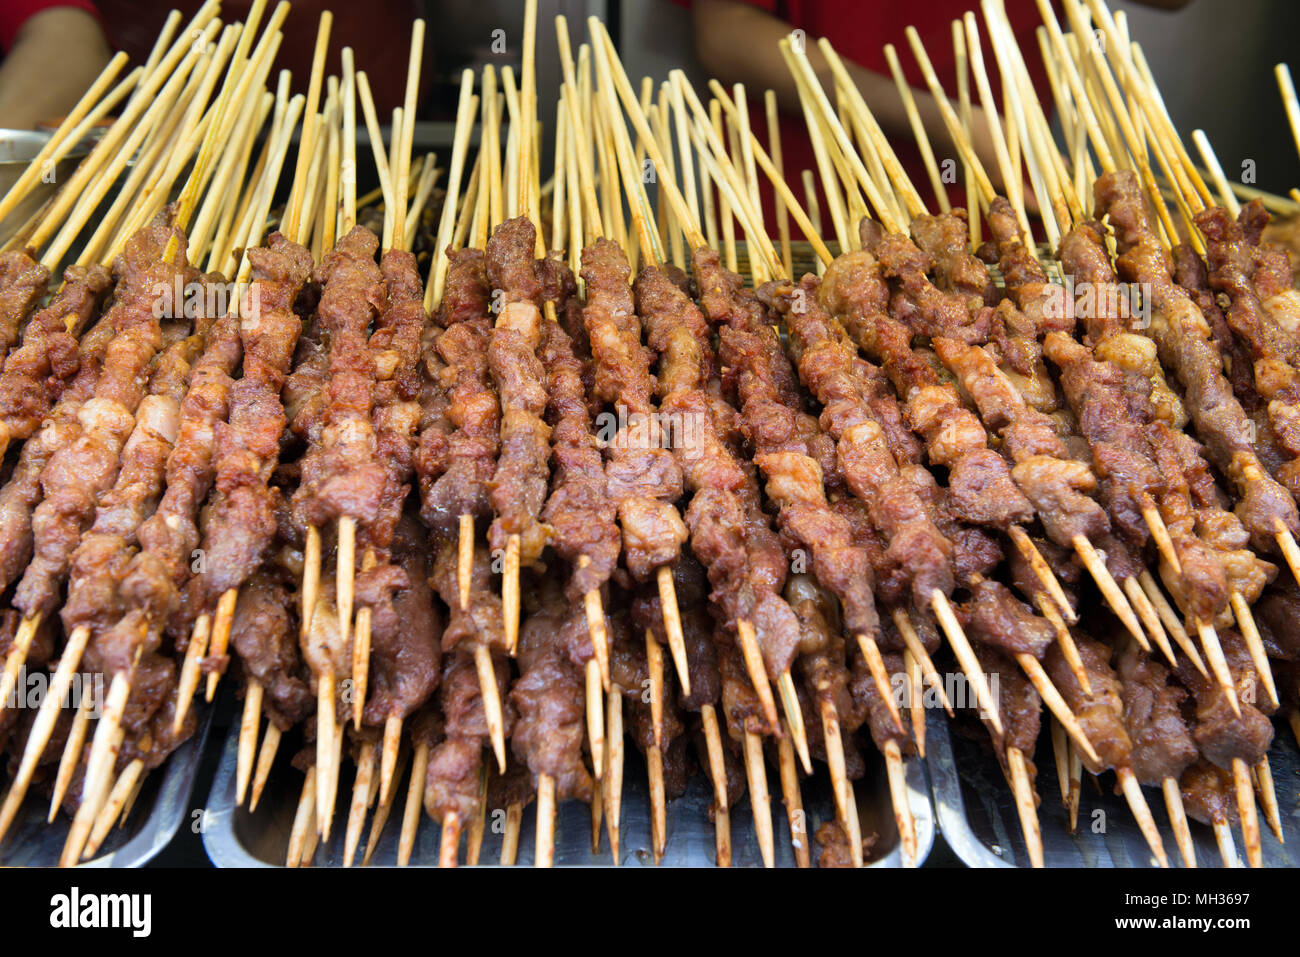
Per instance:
{"type": "Point", "coordinates": [492, 418]}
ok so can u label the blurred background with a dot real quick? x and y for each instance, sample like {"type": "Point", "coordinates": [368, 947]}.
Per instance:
{"type": "Point", "coordinates": [1213, 60]}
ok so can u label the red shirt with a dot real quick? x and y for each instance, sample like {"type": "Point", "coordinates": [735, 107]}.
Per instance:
{"type": "Point", "coordinates": [859, 30]}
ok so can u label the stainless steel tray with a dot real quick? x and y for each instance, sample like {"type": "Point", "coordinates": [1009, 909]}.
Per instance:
{"type": "Point", "coordinates": [160, 810]}
{"type": "Point", "coordinates": [233, 837]}
{"type": "Point", "coordinates": [977, 816]}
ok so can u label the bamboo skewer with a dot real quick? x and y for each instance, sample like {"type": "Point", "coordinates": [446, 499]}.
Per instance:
{"type": "Point", "coordinates": [1025, 805]}
{"type": "Point", "coordinates": [793, 800]}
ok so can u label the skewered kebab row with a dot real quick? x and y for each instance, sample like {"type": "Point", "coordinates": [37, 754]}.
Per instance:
{"type": "Point", "coordinates": [791, 449]}
{"type": "Point", "coordinates": [643, 479]}
{"type": "Point", "coordinates": [22, 492]}
{"type": "Point", "coordinates": [729, 533]}
{"type": "Point", "coordinates": [1056, 483]}
{"type": "Point", "coordinates": [1015, 395]}
{"type": "Point", "coordinates": [242, 519]}
{"type": "Point", "coordinates": [785, 443]}
{"type": "Point", "coordinates": [1209, 542]}
{"type": "Point", "coordinates": [455, 764]}
{"type": "Point", "coordinates": [36, 373]}
{"type": "Point", "coordinates": [22, 285]}
{"type": "Point", "coordinates": [918, 557]}
{"type": "Point", "coordinates": [341, 474]}
{"type": "Point", "coordinates": [1105, 308]}
{"type": "Point", "coordinates": [980, 486]}
{"type": "Point", "coordinates": [548, 694]}
{"type": "Point", "coordinates": [1138, 722]}
{"type": "Point", "coordinates": [78, 473]}
{"type": "Point", "coordinates": [1185, 344]}
{"type": "Point", "coordinates": [264, 634]}
{"type": "Point", "coordinates": [395, 344]}
{"type": "Point", "coordinates": [458, 446]}
{"type": "Point", "coordinates": [1191, 273]}
{"type": "Point", "coordinates": [579, 509]}
{"type": "Point", "coordinates": [1270, 346]}
{"type": "Point", "coordinates": [518, 488]}
{"type": "Point", "coordinates": [1027, 280]}
{"type": "Point", "coordinates": [126, 625]}
{"type": "Point", "coordinates": [1189, 503]}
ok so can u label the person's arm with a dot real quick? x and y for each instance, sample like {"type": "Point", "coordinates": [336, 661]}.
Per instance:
{"type": "Point", "coordinates": [733, 40]}
{"type": "Point", "coordinates": [55, 57]}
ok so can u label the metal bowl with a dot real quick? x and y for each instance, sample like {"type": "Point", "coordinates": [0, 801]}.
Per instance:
{"type": "Point", "coordinates": [17, 149]}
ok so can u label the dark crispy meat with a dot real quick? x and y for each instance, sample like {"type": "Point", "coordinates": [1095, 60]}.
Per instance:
{"type": "Point", "coordinates": [827, 365]}
{"type": "Point", "coordinates": [1100, 714]}
{"type": "Point", "coordinates": [241, 521]}
{"type": "Point", "coordinates": [995, 617]}
{"type": "Point", "coordinates": [1209, 794]}
{"type": "Point", "coordinates": [822, 665]}
{"type": "Point", "coordinates": [1103, 396]}
{"type": "Point", "coordinates": [399, 392]}
{"type": "Point", "coordinates": [22, 492]}
{"type": "Point", "coordinates": [341, 475]}
{"type": "Point", "coordinates": [263, 633]}
{"type": "Point", "coordinates": [453, 778]}
{"type": "Point", "coordinates": [22, 283]}
{"type": "Point", "coordinates": [1019, 707]}
{"type": "Point", "coordinates": [579, 509]}
{"type": "Point", "coordinates": [1186, 346]}
{"type": "Point", "coordinates": [518, 486]}
{"type": "Point", "coordinates": [794, 482]}
{"type": "Point", "coordinates": [1055, 485]}
{"type": "Point", "coordinates": [729, 532]}
{"type": "Point", "coordinates": [549, 697]}
{"type": "Point", "coordinates": [1192, 275]}
{"type": "Point", "coordinates": [643, 477]}
{"type": "Point", "coordinates": [918, 303]}
{"type": "Point", "coordinates": [1162, 746]}
{"type": "Point", "coordinates": [406, 629]}
{"type": "Point", "coordinates": [726, 302]}
{"type": "Point", "coordinates": [454, 471]}
{"type": "Point", "coordinates": [1276, 613]}
{"type": "Point", "coordinates": [622, 362]}
{"type": "Point", "coordinates": [1041, 301]}
{"type": "Point", "coordinates": [676, 330]}
{"type": "Point", "coordinates": [36, 373]}
{"type": "Point", "coordinates": [79, 472]}
{"type": "Point", "coordinates": [944, 239]}
{"type": "Point", "coordinates": [1220, 734]}
{"type": "Point", "coordinates": [465, 295]}
{"type": "Point", "coordinates": [170, 538]}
